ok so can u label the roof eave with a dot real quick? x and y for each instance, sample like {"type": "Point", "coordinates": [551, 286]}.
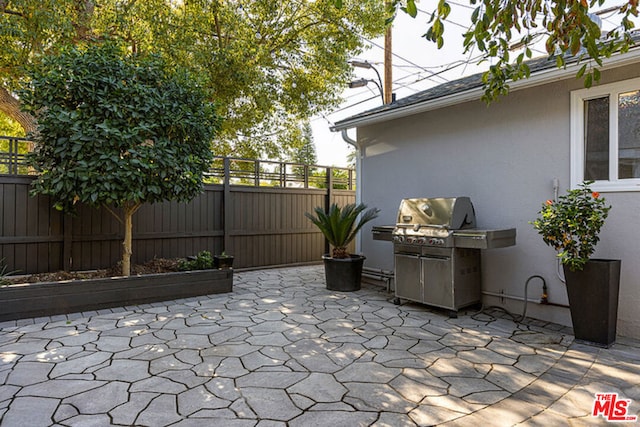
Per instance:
{"type": "Point", "coordinates": [536, 79]}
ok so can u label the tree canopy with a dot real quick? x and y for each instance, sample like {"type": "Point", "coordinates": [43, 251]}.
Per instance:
{"type": "Point", "coordinates": [269, 65]}
{"type": "Point", "coordinates": [503, 31]}
{"type": "Point", "coordinates": [117, 130]}
{"type": "Point", "coordinates": [9, 127]}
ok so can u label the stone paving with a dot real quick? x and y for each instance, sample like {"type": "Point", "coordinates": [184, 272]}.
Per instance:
{"type": "Point", "coordinates": [281, 350]}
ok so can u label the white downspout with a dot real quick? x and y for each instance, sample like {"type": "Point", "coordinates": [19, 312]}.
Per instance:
{"type": "Point", "coordinates": [359, 155]}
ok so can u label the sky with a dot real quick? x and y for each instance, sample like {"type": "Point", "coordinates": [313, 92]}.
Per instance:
{"type": "Point", "coordinates": [417, 65]}
{"type": "Point", "coordinates": [415, 61]}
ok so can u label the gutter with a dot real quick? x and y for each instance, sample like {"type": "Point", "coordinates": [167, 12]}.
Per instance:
{"type": "Point", "coordinates": [537, 79]}
{"type": "Point", "coordinates": [348, 139]}
{"type": "Point", "coordinates": [358, 148]}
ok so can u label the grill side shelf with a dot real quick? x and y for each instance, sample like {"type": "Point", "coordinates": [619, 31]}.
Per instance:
{"type": "Point", "coordinates": [485, 239]}
{"type": "Point", "coordinates": [383, 232]}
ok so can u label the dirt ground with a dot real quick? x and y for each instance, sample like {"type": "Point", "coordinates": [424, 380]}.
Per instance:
{"type": "Point", "coordinates": [157, 265]}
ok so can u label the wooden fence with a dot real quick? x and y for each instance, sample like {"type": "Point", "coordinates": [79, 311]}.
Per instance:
{"type": "Point", "coordinates": [251, 209]}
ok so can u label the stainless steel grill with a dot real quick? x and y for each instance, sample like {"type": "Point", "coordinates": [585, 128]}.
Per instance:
{"type": "Point", "coordinates": [437, 251]}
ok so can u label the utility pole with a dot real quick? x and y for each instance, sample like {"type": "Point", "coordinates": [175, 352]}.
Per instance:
{"type": "Point", "coordinates": [388, 49]}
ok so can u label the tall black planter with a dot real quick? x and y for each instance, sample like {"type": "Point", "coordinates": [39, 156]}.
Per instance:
{"type": "Point", "coordinates": [343, 274]}
{"type": "Point", "coordinates": [593, 300]}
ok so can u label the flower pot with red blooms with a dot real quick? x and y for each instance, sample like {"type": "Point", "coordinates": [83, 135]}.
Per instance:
{"type": "Point", "coordinates": [571, 226]}
{"type": "Point", "coordinates": [343, 271]}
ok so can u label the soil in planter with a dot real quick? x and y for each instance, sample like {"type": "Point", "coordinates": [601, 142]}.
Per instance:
{"type": "Point", "coordinates": [156, 265]}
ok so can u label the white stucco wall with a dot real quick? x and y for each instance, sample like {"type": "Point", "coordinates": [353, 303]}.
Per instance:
{"type": "Point", "coordinates": [504, 157]}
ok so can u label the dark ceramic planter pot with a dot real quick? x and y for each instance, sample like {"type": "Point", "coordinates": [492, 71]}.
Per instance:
{"type": "Point", "coordinates": [222, 262]}
{"type": "Point", "coordinates": [51, 298]}
{"type": "Point", "coordinates": [593, 300]}
{"type": "Point", "coordinates": [345, 274]}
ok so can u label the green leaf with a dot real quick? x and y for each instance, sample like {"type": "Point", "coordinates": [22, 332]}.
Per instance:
{"type": "Point", "coordinates": [596, 74]}
{"type": "Point", "coordinates": [444, 9]}
{"type": "Point", "coordinates": [411, 9]}
{"type": "Point", "coordinates": [588, 80]}
{"type": "Point", "coordinates": [474, 15]}
{"type": "Point", "coordinates": [581, 71]}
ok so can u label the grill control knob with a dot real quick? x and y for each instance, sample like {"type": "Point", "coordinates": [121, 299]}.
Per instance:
{"type": "Point", "coordinates": [398, 239]}
{"type": "Point", "coordinates": [411, 240]}
{"type": "Point", "coordinates": [421, 240]}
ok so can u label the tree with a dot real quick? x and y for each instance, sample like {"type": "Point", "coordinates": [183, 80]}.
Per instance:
{"type": "Point", "coordinates": [27, 29]}
{"type": "Point", "coordinates": [267, 64]}
{"type": "Point", "coordinates": [305, 152]}
{"type": "Point", "coordinates": [117, 130]}
{"type": "Point", "coordinates": [499, 27]}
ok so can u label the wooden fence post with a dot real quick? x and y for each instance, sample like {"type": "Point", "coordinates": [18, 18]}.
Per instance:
{"type": "Point", "coordinates": [227, 207]}
{"type": "Point", "coordinates": [256, 173]}
{"type": "Point", "coordinates": [67, 241]}
{"type": "Point", "coordinates": [329, 201]}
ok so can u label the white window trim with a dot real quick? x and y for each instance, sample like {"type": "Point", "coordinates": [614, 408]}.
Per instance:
{"type": "Point", "coordinates": [577, 136]}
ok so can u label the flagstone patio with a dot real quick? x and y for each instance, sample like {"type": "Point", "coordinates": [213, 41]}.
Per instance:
{"type": "Point", "coordinates": [281, 350]}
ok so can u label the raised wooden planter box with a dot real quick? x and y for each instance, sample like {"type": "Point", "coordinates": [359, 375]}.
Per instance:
{"type": "Point", "coordinates": [70, 296]}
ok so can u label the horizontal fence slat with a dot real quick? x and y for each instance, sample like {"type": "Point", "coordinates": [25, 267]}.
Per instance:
{"type": "Point", "coordinates": [14, 240]}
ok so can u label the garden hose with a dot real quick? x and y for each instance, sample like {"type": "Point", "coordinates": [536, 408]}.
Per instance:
{"type": "Point", "coordinates": [515, 317]}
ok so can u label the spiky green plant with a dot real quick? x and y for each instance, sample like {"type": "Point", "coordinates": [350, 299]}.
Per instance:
{"type": "Point", "coordinates": [340, 225]}
{"type": "Point", "coordinates": [5, 273]}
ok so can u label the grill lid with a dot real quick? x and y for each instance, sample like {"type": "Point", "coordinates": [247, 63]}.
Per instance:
{"type": "Point", "coordinates": [452, 213]}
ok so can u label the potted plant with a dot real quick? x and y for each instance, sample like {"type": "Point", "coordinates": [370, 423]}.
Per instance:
{"type": "Point", "coordinates": [223, 261]}
{"type": "Point", "coordinates": [571, 226]}
{"type": "Point", "coordinates": [343, 271]}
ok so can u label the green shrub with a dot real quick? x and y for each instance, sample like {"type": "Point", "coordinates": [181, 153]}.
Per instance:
{"type": "Point", "coordinates": [202, 261]}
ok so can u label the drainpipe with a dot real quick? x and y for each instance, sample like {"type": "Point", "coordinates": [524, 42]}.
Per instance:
{"type": "Point", "coordinates": [358, 148]}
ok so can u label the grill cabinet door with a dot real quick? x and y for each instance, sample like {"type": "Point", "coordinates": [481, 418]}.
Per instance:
{"type": "Point", "coordinates": [438, 282]}
{"type": "Point", "coordinates": [408, 283]}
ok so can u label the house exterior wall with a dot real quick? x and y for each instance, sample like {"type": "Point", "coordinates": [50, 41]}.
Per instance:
{"type": "Point", "coordinates": [504, 157]}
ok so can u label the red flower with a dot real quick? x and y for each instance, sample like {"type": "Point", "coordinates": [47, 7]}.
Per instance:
{"type": "Point", "coordinates": [595, 194]}
{"type": "Point", "coordinates": [549, 202]}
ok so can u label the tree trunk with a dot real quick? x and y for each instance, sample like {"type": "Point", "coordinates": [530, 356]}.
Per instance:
{"type": "Point", "coordinates": [84, 12]}
{"type": "Point", "coordinates": [11, 107]}
{"type": "Point", "coordinates": [129, 210]}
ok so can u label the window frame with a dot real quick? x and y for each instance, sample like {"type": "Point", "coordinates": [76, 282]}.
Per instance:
{"type": "Point", "coordinates": [578, 98]}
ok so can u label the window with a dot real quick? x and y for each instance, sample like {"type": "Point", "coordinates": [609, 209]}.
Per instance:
{"type": "Point", "coordinates": [605, 136]}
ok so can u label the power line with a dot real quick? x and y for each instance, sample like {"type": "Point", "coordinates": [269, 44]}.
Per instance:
{"type": "Point", "coordinates": [425, 69]}
{"type": "Point", "coordinates": [393, 53]}
{"type": "Point", "coordinates": [463, 5]}
{"type": "Point", "coordinates": [447, 67]}
{"type": "Point", "coordinates": [466, 27]}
